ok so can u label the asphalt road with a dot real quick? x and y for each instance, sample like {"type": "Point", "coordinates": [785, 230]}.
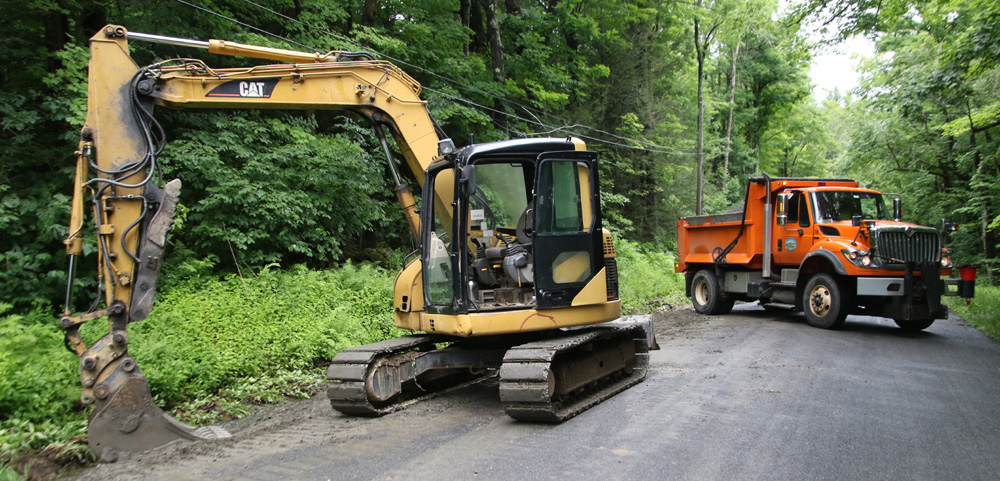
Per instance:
{"type": "Point", "coordinates": [750, 395]}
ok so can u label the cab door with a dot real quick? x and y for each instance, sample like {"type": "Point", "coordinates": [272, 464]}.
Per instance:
{"type": "Point", "coordinates": [793, 240]}
{"type": "Point", "coordinates": [567, 237]}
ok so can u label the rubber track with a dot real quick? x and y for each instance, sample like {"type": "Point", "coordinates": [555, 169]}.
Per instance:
{"type": "Point", "coordinates": [349, 369]}
{"type": "Point", "coordinates": [526, 375]}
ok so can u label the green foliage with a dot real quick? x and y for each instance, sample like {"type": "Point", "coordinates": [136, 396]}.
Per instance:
{"type": "Point", "coordinates": [647, 279]}
{"type": "Point", "coordinates": [311, 187]}
{"type": "Point", "coordinates": [59, 436]}
{"type": "Point", "coordinates": [288, 196]}
{"type": "Point", "coordinates": [235, 400]}
{"type": "Point", "coordinates": [211, 347]}
{"type": "Point", "coordinates": [207, 334]}
{"type": "Point", "coordinates": [34, 209]}
{"type": "Point", "coordinates": [9, 474]}
{"type": "Point", "coordinates": [982, 311]}
{"type": "Point", "coordinates": [38, 377]}
{"type": "Point", "coordinates": [39, 387]}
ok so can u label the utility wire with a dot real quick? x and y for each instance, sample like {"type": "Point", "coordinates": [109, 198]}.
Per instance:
{"type": "Point", "coordinates": [555, 129]}
{"type": "Point", "coordinates": [265, 32]}
{"type": "Point", "coordinates": [655, 148]}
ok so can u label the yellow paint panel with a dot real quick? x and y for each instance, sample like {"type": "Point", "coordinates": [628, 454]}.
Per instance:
{"type": "Point", "coordinates": [408, 292]}
{"type": "Point", "coordinates": [509, 322]}
{"type": "Point", "coordinates": [595, 292]}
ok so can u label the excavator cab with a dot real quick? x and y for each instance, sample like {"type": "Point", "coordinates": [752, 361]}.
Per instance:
{"type": "Point", "coordinates": [512, 225]}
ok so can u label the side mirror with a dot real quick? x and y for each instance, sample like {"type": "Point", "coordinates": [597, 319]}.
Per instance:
{"type": "Point", "coordinates": [897, 209]}
{"type": "Point", "coordinates": [782, 208]}
{"type": "Point", "coordinates": [856, 220]}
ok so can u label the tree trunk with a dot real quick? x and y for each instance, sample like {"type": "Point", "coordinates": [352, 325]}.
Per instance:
{"type": "Point", "coordinates": [368, 12]}
{"type": "Point", "coordinates": [989, 239]}
{"type": "Point", "coordinates": [476, 23]}
{"type": "Point", "coordinates": [54, 23]}
{"type": "Point", "coordinates": [465, 11]}
{"type": "Point", "coordinates": [491, 7]}
{"type": "Point", "coordinates": [729, 124]}
{"type": "Point", "coordinates": [699, 190]}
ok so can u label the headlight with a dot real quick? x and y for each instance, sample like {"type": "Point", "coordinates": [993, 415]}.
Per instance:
{"type": "Point", "coordinates": [858, 258]}
{"type": "Point", "coordinates": [945, 260]}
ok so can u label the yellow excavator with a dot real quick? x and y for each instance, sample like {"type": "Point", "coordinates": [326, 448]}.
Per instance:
{"type": "Point", "coordinates": [514, 273]}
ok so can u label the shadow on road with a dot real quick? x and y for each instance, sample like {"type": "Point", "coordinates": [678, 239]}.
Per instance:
{"type": "Point", "coordinates": [866, 325]}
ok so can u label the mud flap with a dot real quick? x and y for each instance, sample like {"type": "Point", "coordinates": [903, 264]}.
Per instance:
{"type": "Point", "coordinates": [125, 420]}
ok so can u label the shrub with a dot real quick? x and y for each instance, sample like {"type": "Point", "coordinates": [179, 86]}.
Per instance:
{"type": "Point", "coordinates": [205, 335]}
{"type": "Point", "coordinates": [981, 312]}
{"type": "Point", "coordinates": [647, 281]}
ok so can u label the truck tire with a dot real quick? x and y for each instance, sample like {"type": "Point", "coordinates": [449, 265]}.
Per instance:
{"type": "Point", "coordinates": [824, 302]}
{"type": "Point", "coordinates": [913, 326]}
{"type": "Point", "coordinates": [706, 296]}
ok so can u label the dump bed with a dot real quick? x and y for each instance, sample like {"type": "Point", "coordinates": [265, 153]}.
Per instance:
{"type": "Point", "coordinates": [698, 236]}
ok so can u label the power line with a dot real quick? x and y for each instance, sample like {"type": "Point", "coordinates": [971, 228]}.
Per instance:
{"type": "Point", "coordinates": [654, 148]}
{"type": "Point", "coordinates": [555, 129]}
{"type": "Point", "coordinates": [265, 32]}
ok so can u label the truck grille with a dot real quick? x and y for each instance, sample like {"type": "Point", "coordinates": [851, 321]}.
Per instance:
{"type": "Point", "coordinates": [908, 245]}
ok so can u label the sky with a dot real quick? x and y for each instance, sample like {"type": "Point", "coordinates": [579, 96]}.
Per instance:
{"type": "Point", "coordinates": [835, 66]}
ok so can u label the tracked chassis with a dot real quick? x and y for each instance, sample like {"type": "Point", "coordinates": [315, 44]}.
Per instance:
{"type": "Point", "coordinates": [548, 377]}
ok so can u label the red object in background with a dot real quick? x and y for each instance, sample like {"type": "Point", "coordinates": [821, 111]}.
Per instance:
{"type": "Point", "coordinates": [968, 273]}
{"type": "Point", "coordinates": [967, 286]}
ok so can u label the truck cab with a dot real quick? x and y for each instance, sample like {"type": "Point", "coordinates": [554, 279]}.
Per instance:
{"type": "Point", "coordinates": [826, 247]}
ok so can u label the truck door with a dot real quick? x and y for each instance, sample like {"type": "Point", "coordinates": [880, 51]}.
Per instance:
{"type": "Point", "coordinates": [567, 226]}
{"type": "Point", "coordinates": [793, 240]}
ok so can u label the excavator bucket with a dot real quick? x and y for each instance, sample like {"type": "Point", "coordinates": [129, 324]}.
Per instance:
{"type": "Point", "coordinates": [125, 420]}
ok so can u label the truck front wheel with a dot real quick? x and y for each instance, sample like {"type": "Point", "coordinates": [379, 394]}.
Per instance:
{"type": "Point", "coordinates": [706, 296]}
{"type": "Point", "coordinates": [824, 304]}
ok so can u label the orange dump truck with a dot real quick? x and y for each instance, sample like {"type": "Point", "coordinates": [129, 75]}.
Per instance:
{"type": "Point", "coordinates": [822, 246]}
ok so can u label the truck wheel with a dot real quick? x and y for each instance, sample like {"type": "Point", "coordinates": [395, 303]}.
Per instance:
{"type": "Point", "coordinates": [706, 295]}
{"type": "Point", "coordinates": [913, 326]}
{"type": "Point", "coordinates": [824, 302]}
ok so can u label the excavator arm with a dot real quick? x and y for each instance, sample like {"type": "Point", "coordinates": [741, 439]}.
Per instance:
{"type": "Point", "coordinates": [115, 170]}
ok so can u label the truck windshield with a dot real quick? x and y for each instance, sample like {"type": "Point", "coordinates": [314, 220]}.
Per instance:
{"type": "Point", "coordinates": [837, 206]}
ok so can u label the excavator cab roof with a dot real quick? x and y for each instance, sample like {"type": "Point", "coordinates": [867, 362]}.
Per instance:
{"type": "Point", "coordinates": [516, 148]}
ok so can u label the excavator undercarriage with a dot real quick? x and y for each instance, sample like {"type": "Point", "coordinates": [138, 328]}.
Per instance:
{"type": "Point", "coordinates": [551, 376]}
